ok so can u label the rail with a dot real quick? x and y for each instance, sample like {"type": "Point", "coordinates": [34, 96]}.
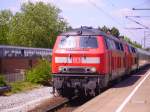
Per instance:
{"type": "Point", "coordinates": [53, 108]}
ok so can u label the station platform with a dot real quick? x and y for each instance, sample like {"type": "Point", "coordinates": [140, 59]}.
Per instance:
{"type": "Point", "coordinates": [130, 95]}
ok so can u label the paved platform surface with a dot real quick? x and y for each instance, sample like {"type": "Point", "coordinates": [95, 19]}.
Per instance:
{"type": "Point", "coordinates": [131, 95]}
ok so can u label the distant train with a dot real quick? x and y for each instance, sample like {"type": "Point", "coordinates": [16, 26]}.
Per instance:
{"type": "Point", "coordinates": [85, 60]}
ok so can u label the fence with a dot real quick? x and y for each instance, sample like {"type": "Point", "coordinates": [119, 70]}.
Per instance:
{"type": "Point", "coordinates": [13, 77]}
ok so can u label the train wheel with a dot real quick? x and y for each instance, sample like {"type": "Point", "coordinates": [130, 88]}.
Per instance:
{"type": "Point", "coordinates": [105, 81]}
{"type": "Point", "coordinates": [119, 79]}
{"type": "Point", "coordinates": [60, 92]}
{"type": "Point", "coordinates": [98, 90]}
{"type": "Point", "coordinates": [81, 94]}
{"type": "Point", "coordinates": [68, 92]}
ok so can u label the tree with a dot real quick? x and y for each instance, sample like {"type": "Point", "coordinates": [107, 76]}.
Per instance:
{"type": "Point", "coordinates": [115, 32]}
{"type": "Point", "coordinates": [127, 39]}
{"type": "Point", "coordinates": [40, 73]}
{"type": "Point", "coordinates": [134, 43]}
{"type": "Point", "coordinates": [104, 29]}
{"type": "Point", "coordinates": [5, 18]}
{"type": "Point", "coordinates": [36, 25]}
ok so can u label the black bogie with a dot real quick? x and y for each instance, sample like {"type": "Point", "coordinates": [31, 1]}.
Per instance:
{"type": "Point", "coordinates": [79, 86]}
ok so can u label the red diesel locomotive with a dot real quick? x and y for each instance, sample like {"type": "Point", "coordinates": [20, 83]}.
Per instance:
{"type": "Point", "coordinates": [85, 60]}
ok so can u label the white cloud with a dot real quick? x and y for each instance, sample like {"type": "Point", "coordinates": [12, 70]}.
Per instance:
{"type": "Point", "coordinates": [79, 1]}
{"type": "Point", "coordinates": [67, 2]}
{"type": "Point", "coordinates": [14, 9]}
{"type": "Point", "coordinates": [34, 1]}
{"type": "Point", "coordinates": [76, 1]}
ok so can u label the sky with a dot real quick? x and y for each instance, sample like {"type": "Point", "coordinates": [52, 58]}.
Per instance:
{"type": "Point", "coordinates": [111, 13]}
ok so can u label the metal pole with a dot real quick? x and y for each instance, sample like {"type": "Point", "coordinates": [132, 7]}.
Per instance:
{"type": "Point", "coordinates": [140, 8]}
{"type": "Point", "coordinates": [144, 39]}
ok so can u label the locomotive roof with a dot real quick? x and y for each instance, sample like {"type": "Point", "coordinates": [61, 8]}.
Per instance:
{"type": "Point", "coordinates": [143, 52]}
{"type": "Point", "coordinates": [84, 31]}
{"type": "Point", "coordinates": [87, 31]}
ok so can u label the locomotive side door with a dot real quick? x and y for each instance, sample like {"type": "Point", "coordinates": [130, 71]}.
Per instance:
{"type": "Point", "coordinates": [110, 61]}
{"type": "Point", "coordinates": [109, 56]}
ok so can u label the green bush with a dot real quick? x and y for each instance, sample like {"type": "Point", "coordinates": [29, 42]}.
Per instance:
{"type": "Point", "coordinates": [2, 81]}
{"type": "Point", "coordinates": [40, 74]}
{"type": "Point", "coordinates": [22, 86]}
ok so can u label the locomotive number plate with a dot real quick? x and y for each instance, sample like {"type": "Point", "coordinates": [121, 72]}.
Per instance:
{"type": "Point", "coordinates": [76, 60]}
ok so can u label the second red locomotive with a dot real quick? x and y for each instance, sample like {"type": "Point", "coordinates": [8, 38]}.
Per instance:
{"type": "Point", "coordinates": [85, 60]}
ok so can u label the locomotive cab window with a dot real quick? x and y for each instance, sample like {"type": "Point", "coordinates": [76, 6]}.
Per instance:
{"type": "Point", "coordinates": [68, 42]}
{"type": "Point", "coordinates": [121, 47]}
{"type": "Point", "coordinates": [133, 49]}
{"type": "Point", "coordinates": [129, 49]}
{"type": "Point", "coordinates": [110, 44]}
{"type": "Point", "coordinates": [117, 45]}
{"type": "Point", "coordinates": [88, 42]}
{"type": "Point", "coordinates": [78, 42]}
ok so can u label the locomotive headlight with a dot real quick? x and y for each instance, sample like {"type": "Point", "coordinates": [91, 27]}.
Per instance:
{"type": "Point", "coordinates": [60, 69]}
{"type": "Point", "coordinates": [93, 69]}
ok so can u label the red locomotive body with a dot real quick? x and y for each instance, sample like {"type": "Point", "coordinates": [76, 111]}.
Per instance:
{"type": "Point", "coordinates": [78, 57]}
{"type": "Point", "coordinates": [85, 60]}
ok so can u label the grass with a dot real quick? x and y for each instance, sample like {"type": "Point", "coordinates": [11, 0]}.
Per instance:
{"type": "Point", "coordinates": [18, 87]}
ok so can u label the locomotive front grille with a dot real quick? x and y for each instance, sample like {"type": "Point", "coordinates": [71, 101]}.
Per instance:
{"type": "Point", "coordinates": [76, 70]}
{"type": "Point", "coordinates": [69, 69]}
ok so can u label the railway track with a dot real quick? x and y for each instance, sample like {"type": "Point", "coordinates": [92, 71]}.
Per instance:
{"type": "Point", "coordinates": [60, 104]}
{"type": "Point", "coordinates": [54, 104]}
{"type": "Point", "coordinates": [55, 107]}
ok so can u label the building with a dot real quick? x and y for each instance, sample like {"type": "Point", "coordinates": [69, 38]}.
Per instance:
{"type": "Point", "coordinates": [13, 59]}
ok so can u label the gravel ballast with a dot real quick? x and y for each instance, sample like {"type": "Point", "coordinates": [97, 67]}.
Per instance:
{"type": "Point", "coordinates": [25, 101]}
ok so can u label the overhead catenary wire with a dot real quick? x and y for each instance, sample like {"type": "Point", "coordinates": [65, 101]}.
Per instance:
{"type": "Point", "coordinates": [108, 15]}
{"type": "Point", "coordinates": [104, 12]}
{"type": "Point", "coordinates": [146, 27]}
{"type": "Point", "coordinates": [134, 28]}
{"type": "Point", "coordinates": [140, 8]}
{"type": "Point", "coordinates": [139, 16]}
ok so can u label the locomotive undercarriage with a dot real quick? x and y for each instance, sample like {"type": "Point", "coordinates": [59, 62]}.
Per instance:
{"type": "Point", "coordinates": [79, 85]}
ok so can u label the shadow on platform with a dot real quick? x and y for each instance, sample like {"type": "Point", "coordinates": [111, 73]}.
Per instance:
{"type": "Point", "coordinates": [132, 78]}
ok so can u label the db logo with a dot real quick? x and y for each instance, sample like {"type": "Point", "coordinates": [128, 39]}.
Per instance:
{"type": "Point", "coordinates": [76, 60]}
